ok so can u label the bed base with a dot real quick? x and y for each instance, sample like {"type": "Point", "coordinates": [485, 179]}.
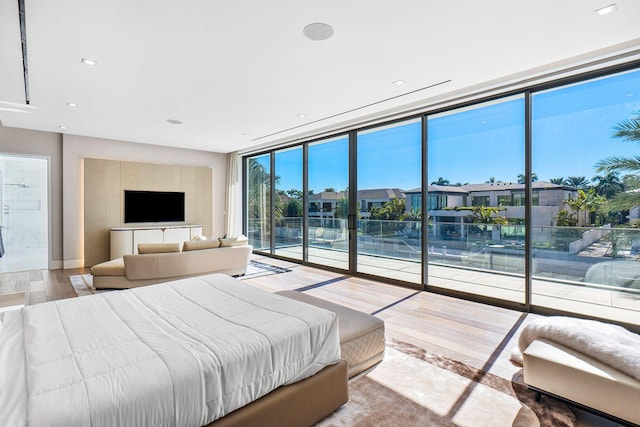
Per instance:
{"type": "Point", "coordinates": [300, 404]}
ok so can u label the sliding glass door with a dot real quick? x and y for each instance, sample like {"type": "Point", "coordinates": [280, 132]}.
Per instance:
{"type": "Point", "coordinates": [328, 202]}
{"type": "Point", "coordinates": [475, 200]}
{"type": "Point", "coordinates": [289, 206]}
{"type": "Point", "coordinates": [258, 202]}
{"type": "Point", "coordinates": [586, 238]}
{"type": "Point", "coordinates": [388, 202]}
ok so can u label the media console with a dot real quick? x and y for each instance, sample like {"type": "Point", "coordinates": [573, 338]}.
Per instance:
{"type": "Point", "coordinates": [125, 240]}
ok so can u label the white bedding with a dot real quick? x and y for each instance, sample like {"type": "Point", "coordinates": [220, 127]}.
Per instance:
{"type": "Point", "coordinates": [182, 353]}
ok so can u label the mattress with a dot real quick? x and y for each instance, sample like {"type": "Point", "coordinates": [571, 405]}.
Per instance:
{"type": "Point", "coordinates": [181, 353]}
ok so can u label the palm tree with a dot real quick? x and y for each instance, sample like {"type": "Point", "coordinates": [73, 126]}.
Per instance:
{"type": "Point", "coordinates": [628, 130]}
{"type": "Point", "coordinates": [584, 203]}
{"type": "Point", "coordinates": [559, 181]}
{"type": "Point", "coordinates": [342, 207]}
{"type": "Point", "coordinates": [609, 184]}
{"type": "Point", "coordinates": [578, 182]}
{"type": "Point", "coordinates": [534, 177]}
{"type": "Point", "coordinates": [441, 181]}
{"type": "Point", "coordinates": [491, 180]}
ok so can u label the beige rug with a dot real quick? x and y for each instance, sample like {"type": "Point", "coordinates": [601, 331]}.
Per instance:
{"type": "Point", "coordinates": [83, 284]}
{"type": "Point", "coordinates": [413, 387]}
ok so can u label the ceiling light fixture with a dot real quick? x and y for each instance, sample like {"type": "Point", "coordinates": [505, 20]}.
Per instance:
{"type": "Point", "coordinates": [606, 10]}
{"type": "Point", "coordinates": [174, 121]}
{"type": "Point", "coordinates": [245, 134]}
{"type": "Point", "coordinates": [62, 127]}
{"type": "Point", "coordinates": [318, 31]}
{"type": "Point", "coordinates": [88, 61]}
{"type": "Point", "coordinates": [302, 116]}
{"type": "Point", "coordinates": [72, 104]}
{"type": "Point", "coordinates": [399, 82]}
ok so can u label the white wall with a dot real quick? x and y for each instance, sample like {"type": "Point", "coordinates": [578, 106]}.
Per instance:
{"type": "Point", "coordinates": [75, 148]}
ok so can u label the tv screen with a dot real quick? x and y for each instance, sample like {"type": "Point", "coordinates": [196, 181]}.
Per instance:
{"type": "Point", "coordinates": [153, 206]}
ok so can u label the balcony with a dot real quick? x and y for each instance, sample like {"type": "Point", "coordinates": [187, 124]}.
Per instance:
{"type": "Point", "coordinates": [584, 270]}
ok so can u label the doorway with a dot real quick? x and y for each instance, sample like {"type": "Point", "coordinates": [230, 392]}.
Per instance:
{"type": "Point", "coordinates": [24, 224]}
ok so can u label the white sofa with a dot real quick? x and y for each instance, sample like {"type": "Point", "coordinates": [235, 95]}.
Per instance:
{"type": "Point", "coordinates": [157, 263]}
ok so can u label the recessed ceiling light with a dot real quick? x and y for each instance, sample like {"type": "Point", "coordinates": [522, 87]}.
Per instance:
{"type": "Point", "coordinates": [399, 82]}
{"type": "Point", "coordinates": [318, 31]}
{"type": "Point", "coordinates": [245, 134]}
{"type": "Point", "coordinates": [72, 104]}
{"type": "Point", "coordinates": [302, 116]}
{"type": "Point", "coordinates": [62, 127]}
{"type": "Point", "coordinates": [174, 121]}
{"type": "Point", "coordinates": [88, 61]}
{"type": "Point", "coordinates": [606, 10]}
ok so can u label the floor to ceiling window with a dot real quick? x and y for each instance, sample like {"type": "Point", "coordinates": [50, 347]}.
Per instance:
{"type": "Point", "coordinates": [258, 203]}
{"type": "Point", "coordinates": [328, 202]}
{"type": "Point", "coordinates": [475, 171]}
{"type": "Point", "coordinates": [575, 211]}
{"type": "Point", "coordinates": [288, 208]}
{"type": "Point", "coordinates": [389, 216]}
{"type": "Point", "coordinates": [585, 234]}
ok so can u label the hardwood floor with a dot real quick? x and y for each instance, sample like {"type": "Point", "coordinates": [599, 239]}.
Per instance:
{"type": "Point", "coordinates": [479, 335]}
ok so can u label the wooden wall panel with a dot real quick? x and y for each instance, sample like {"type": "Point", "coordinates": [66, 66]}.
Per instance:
{"type": "Point", "coordinates": [104, 185]}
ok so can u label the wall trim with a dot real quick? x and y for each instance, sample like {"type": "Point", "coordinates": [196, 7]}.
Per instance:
{"type": "Point", "coordinates": [72, 263]}
{"type": "Point", "coordinates": [55, 265]}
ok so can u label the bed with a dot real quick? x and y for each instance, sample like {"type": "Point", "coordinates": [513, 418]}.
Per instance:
{"type": "Point", "coordinates": [183, 353]}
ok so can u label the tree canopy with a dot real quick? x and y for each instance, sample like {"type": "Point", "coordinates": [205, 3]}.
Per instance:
{"type": "Point", "coordinates": [627, 130]}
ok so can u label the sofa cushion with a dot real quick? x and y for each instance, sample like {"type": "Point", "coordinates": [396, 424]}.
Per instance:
{"type": "Point", "coordinates": [233, 241]}
{"type": "Point", "coordinates": [158, 248]}
{"type": "Point", "coordinates": [115, 267]}
{"type": "Point", "coordinates": [194, 245]}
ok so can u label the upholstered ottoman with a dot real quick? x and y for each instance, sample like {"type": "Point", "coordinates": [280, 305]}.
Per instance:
{"type": "Point", "coordinates": [554, 369]}
{"type": "Point", "coordinates": [361, 334]}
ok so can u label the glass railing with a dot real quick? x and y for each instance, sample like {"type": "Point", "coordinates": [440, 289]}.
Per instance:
{"type": "Point", "coordinates": [600, 256]}
{"type": "Point", "coordinates": [594, 255]}
{"type": "Point", "coordinates": [258, 232]}
{"type": "Point", "coordinates": [393, 239]}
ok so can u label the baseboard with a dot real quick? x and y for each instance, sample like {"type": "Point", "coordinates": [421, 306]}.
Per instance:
{"type": "Point", "coordinates": [55, 265]}
{"type": "Point", "coordinates": [73, 263]}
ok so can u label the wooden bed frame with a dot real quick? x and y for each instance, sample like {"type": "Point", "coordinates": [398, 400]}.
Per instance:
{"type": "Point", "coordinates": [300, 404]}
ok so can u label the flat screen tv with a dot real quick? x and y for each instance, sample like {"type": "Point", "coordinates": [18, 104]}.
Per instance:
{"type": "Point", "coordinates": [153, 206]}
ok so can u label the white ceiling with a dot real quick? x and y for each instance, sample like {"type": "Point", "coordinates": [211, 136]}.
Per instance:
{"type": "Point", "coordinates": [225, 68]}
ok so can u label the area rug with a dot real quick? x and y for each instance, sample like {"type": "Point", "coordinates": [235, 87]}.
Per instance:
{"type": "Point", "coordinates": [413, 387]}
{"type": "Point", "coordinates": [83, 283]}
{"type": "Point", "coordinates": [258, 269]}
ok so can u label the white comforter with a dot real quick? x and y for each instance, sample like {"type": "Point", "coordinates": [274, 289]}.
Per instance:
{"type": "Point", "coordinates": [182, 353]}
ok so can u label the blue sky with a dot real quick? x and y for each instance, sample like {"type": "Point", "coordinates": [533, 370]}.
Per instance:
{"type": "Point", "coordinates": [571, 131]}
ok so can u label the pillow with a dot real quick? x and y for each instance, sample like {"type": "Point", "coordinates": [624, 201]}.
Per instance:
{"type": "Point", "coordinates": [233, 241]}
{"type": "Point", "coordinates": [198, 237]}
{"type": "Point", "coordinates": [194, 245]}
{"type": "Point", "coordinates": [158, 248]}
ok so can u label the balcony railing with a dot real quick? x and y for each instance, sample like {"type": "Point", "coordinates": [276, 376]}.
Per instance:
{"type": "Point", "coordinates": [602, 256]}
